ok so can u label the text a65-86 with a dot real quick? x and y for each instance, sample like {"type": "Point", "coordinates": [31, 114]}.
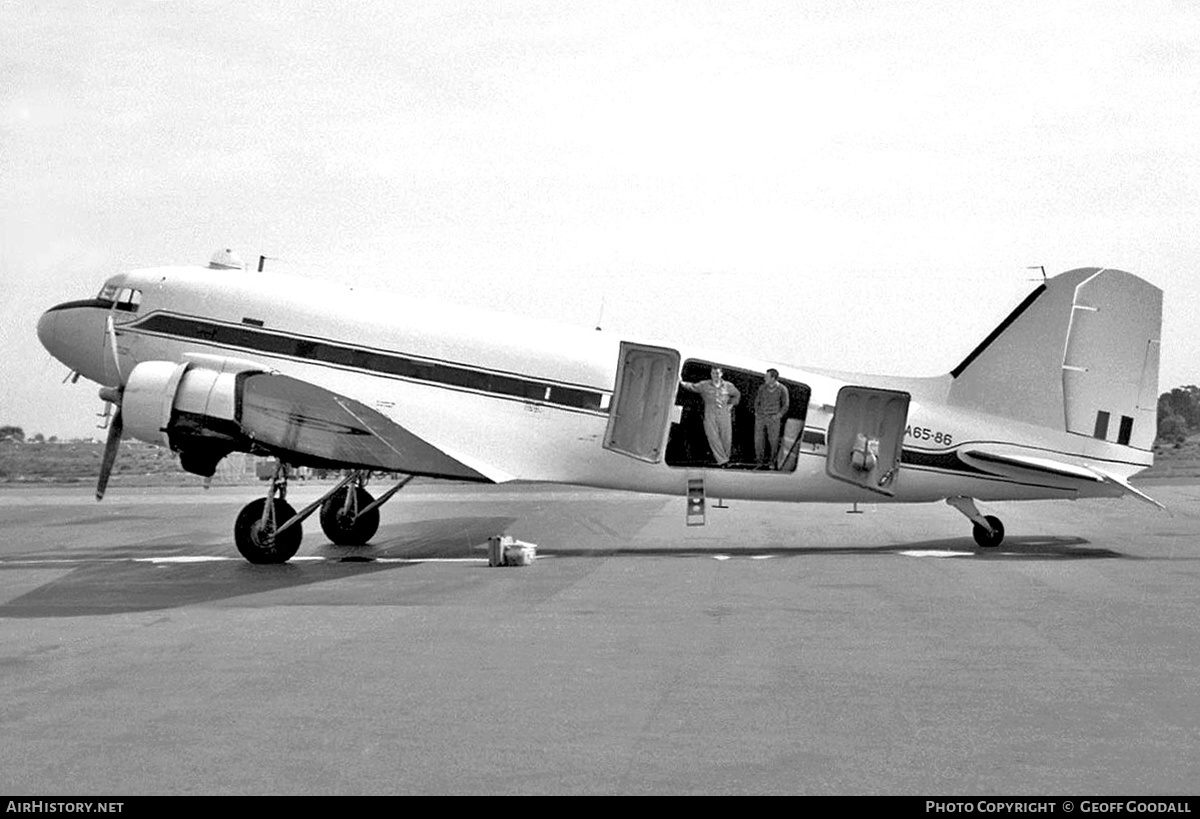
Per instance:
{"type": "Point", "coordinates": [927, 434]}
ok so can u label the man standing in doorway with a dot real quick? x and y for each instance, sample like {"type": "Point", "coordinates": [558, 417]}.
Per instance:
{"type": "Point", "coordinates": [719, 398]}
{"type": "Point", "coordinates": [771, 403]}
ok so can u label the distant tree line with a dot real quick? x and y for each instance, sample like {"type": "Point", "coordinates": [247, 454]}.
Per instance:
{"type": "Point", "coordinates": [17, 435]}
{"type": "Point", "coordinates": [1178, 414]}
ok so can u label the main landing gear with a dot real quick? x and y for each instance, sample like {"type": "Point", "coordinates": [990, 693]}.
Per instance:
{"type": "Point", "coordinates": [268, 530]}
{"type": "Point", "coordinates": [988, 530]}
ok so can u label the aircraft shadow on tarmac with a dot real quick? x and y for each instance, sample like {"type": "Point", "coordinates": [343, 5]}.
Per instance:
{"type": "Point", "coordinates": [1014, 548]}
{"type": "Point", "coordinates": [445, 538]}
{"type": "Point", "coordinates": [109, 585]}
{"type": "Point", "coordinates": [120, 586]}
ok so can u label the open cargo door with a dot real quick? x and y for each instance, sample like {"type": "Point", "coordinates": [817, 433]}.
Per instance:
{"type": "Point", "coordinates": [866, 437]}
{"type": "Point", "coordinates": [640, 414]}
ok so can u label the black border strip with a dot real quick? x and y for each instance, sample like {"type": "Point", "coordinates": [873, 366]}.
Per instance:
{"type": "Point", "coordinates": [102, 304]}
{"type": "Point", "coordinates": [1004, 325]}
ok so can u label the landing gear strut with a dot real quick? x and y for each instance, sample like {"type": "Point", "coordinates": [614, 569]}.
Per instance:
{"type": "Point", "coordinates": [350, 516]}
{"type": "Point", "coordinates": [268, 530]}
{"type": "Point", "coordinates": [988, 530]}
{"type": "Point", "coordinates": [260, 530]}
{"type": "Point", "coordinates": [342, 518]}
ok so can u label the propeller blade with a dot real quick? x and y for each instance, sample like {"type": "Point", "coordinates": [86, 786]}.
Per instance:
{"type": "Point", "coordinates": [111, 330]}
{"type": "Point", "coordinates": [110, 452]}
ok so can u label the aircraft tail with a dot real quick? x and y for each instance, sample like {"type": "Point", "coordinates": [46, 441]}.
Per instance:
{"type": "Point", "coordinates": [1080, 355]}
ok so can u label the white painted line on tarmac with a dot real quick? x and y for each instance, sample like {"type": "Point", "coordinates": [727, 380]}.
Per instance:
{"type": "Point", "coordinates": [421, 559]}
{"type": "Point", "coordinates": [191, 559]}
{"type": "Point", "coordinates": [179, 559]}
{"type": "Point", "coordinates": [934, 553]}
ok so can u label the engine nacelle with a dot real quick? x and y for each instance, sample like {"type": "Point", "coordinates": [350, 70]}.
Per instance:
{"type": "Point", "coordinates": [148, 399]}
{"type": "Point", "coordinates": [190, 407]}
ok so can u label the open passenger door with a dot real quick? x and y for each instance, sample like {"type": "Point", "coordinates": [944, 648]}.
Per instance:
{"type": "Point", "coordinates": [640, 415]}
{"type": "Point", "coordinates": [866, 437]}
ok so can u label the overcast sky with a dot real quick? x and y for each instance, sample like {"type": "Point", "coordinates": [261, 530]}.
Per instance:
{"type": "Point", "coordinates": [844, 184]}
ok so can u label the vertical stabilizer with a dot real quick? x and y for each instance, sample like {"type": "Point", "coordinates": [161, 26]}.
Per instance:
{"type": "Point", "coordinates": [1080, 355]}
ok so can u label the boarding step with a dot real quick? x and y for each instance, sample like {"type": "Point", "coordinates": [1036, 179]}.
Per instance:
{"type": "Point", "coordinates": [695, 501]}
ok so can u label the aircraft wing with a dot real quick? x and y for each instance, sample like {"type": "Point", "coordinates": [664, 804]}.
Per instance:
{"type": "Point", "coordinates": [315, 426]}
{"type": "Point", "coordinates": [1027, 466]}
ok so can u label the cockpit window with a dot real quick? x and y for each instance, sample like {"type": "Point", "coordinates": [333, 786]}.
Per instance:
{"type": "Point", "coordinates": [129, 299]}
{"type": "Point", "coordinates": [123, 298]}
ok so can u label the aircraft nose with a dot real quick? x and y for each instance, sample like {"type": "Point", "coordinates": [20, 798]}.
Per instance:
{"type": "Point", "coordinates": [47, 328]}
{"type": "Point", "coordinates": [73, 333]}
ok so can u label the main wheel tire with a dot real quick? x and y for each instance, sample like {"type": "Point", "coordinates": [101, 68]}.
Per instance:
{"type": "Point", "coordinates": [992, 540]}
{"type": "Point", "coordinates": [260, 546]}
{"type": "Point", "coordinates": [349, 530]}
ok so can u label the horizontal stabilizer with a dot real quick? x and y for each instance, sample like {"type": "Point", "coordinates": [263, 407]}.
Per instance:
{"type": "Point", "coordinates": [1044, 466]}
{"type": "Point", "coordinates": [1025, 466]}
{"type": "Point", "coordinates": [1124, 484]}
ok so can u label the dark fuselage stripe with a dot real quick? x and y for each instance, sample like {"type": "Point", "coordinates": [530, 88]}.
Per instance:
{"type": "Point", "coordinates": [328, 352]}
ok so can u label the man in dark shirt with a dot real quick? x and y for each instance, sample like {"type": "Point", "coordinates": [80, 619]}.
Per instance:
{"type": "Point", "coordinates": [771, 403]}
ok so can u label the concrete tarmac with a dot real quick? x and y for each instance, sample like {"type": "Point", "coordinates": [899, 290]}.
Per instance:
{"type": "Point", "coordinates": [778, 649]}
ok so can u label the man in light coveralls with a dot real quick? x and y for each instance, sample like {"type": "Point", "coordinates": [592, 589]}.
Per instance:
{"type": "Point", "coordinates": [719, 398]}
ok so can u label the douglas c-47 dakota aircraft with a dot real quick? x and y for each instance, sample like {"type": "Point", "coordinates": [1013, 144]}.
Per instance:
{"type": "Point", "coordinates": [1059, 401]}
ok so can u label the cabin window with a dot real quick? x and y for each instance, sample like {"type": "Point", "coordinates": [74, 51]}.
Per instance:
{"type": "Point", "coordinates": [688, 442]}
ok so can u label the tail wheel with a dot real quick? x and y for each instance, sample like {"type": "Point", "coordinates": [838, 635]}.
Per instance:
{"type": "Point", "coordinates": [343, 526]}
{"type": "Point", "coordinates": [994, 538]}
{"type": "Point", "coordinates": [259, 542]}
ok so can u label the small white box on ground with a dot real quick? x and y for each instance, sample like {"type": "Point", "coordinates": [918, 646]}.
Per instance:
{"type": "Point", "coordinates": [520, 554]}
